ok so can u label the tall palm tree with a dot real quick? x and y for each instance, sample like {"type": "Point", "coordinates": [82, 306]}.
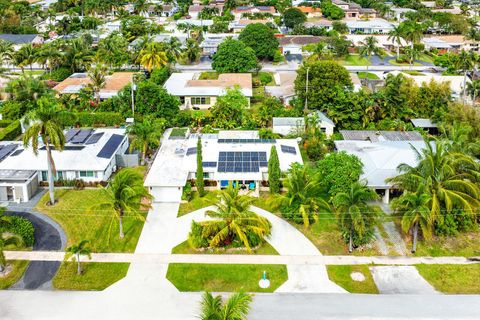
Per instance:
{"type": "Point", "coordinates": [172, 49]}
{"type": "Point", "coordinates": [78, 250]}
{"type": "Point", "coordinates": [369, 47]}
{"type": "Point", "coordinates": [6, 240]}
{"type": "Point", "coordinates": [46, 123]}
{"type": "Point", "coordinates": [153, 56]}
{"type": "Point", "coordinates": [192, 50]}
{"type": "Point", "coordinates": [124, 196]}
{"type": "Point", "coordinates": [466, 62]}
{"type": "Point", "coordinates": [414, 207]}
{"type": "Point", "coordinates": [50, 55]}
{"type": "Point", "coordinates": [234, 220]}
{"type": "Point", "coordinates": [144, 134]}
{"type": "Point", "coordinates": [396, 35]}
{"type": "Point", "coordinates": [235, 308]}
{"type": "Point", "coordinates": [473, 88]}
{"type": "Point", "coordinates": [97, 81]}
{"type": "Point", "coordinates": [354, 214]}
{"type": "Point", "coordinates": [77, 54]}
{"type": "Point", "coordinates": [304, 197]}
{"type": "Point", "coordinates": [412, 31]}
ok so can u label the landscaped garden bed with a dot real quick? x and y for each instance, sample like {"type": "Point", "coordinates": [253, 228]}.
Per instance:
{"type": "Point", "coordinates": [17, 269]}
{"type": "Point", "coordinates": [185, 248]}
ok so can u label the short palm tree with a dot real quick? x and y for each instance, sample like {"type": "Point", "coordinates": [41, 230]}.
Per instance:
{"type": "Point", "coordinates": [354, 214]}
{"type": "Point", "coordinates": [415, 211]}
{"type": "Point", "coordinates": [6, 240]}
{"type": "Point", "coordinates": [192, 50]}
{"type": "Point", "coordinates": [97, 81]}
{"type": "Point", "coordinates": [412, 54]}
{"type": "Point", "coordinates": [369, 47]}
{"type": "Point", "coordinates": [46, 123]}
{"type": "Point", "coordinates": [473, 88]}
{"type": "Point", "coordinates": [144, 134]}
{"type": "Point", "coordinates": [234, 220]}
{"type": "Point", "coordinates": [172, 49]}
{"type": "Point", "coordinates": [235, 308]}
{"type": "Point", "coordinates": [124, 196]}
{"type": "Point", "coordinates": [6, 52]}
{"type": "Point", "coordinates": [78, 250]}
{"type": "Point", "coordinates": [153, 56]}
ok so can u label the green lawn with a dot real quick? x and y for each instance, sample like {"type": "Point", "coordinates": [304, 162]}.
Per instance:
{"type": "Point", "coordinates": [465, 244]}
{"type": "Point", "coordinates": [395, 63]}
{"type": "Point", "coordinates": [354, 60]}
{"type": "Point", "coordinates": [208, 75]}
{"type": "Point", "coordinates": [453, 279]}
{"type": "Point", "coordinates": [225, 278]}
{"type": "Point", "coordinates": [198, 202]}
{"type": "Point", "coordinates": [413, 73]}
{"type": "Point", "coordinates": [184, 248]}
{"type": "Point", "coordinates": [19, 267]}
{"type": "Point", "coordinates": [178, 132]}
{"type": "Point", "coordinates": [341, 275]}
{"type": "Point", "coordinates": [369, 75]}
{"type": "Point", "coordinates": [96, 276]}
{"type": "Point", "coordinates": [74, 211]}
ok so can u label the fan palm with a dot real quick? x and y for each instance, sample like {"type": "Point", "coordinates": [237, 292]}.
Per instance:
{"type": "Point", "coordinates": [46, 123]}
{"type": "Point", "coordinates": [235, 308]}
{"type": "Point", "coordinates": [152, 56]}
{"type": "Point", "coordinates": [144, 134]}
{"type": "Point", "coordinates": [355, 216]}
{"type": "Point", "coordinates": [234, 220]}
{"type": "Point", "coordinates": [78, 250]}
{"type": "Point", "coordinates": [414, 207]}
{"type": "Point", "coordinates": [8, 240]}
{"type": "Point", "coordinates": [369, 47]}
{"type": "Point", "coordinates": [125, 193]}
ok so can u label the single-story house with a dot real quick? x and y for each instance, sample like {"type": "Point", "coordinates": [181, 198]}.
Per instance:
{"type": "Point", "coordinates": [425, 124]}
{"type": "Point", "coordinates": [91, 155]}
{"type": "Point", "coordinates": [382, 41]}
{"type": "Point", "coordinates": [373, 26]}
{"type": "Point", "coordinates": [239, 12]}
{"type": "Point", "coordinates": [295, 125]}
{"type": "Point", "coordinates": [398, 14]}
{"type": "Point", "coordinates": [381, 152]}
{"type": "Point", "coordinates": [114, 83]}
{"type": "Point", "coordinates": [164, 10]}
{"type": "Point", "coordinates": [354, 10]}
{"type": "Point", "coordinates": [320, 23]}
{"type": "Point", "coordinates": [19, 40]}
{"type": "Point", "coordinates": [229, 157]}
{"type": "Point", "coordinates": [202, 94]}
{"type": "Point", "coordinates": [284, 88]}
{"type": "Point", "coordinates": [194, 10]}
{"type": "Point", "coordinates": [294, 44]}
{"type": "Point", "coordinates": [238, 25]}
{"type": "Point", "coordinates": [211, 41]}
{"type": "Point", "coordinates": [310, 11]}
{"type": "Point", "coordinates": [450, 43]}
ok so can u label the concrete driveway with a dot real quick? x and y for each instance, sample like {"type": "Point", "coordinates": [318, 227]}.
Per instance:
{"type": "Point", "coordinates": [400, 280]}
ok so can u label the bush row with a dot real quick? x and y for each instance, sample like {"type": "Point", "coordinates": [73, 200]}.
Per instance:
{"type": "Point", "coordinates": [12, 131]}
{"type": "Point", "coordinates": [5, 123]}
{"type": "Point", "coordinates": [97, 119]}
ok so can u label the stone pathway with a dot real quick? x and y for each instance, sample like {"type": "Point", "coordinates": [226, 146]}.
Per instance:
{"type": "Point", "coordinates": [380, 242]}
{"type": "Point", "coordinates": [395, 238]}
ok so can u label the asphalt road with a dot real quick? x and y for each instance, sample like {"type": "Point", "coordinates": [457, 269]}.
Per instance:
{"type": "Point", "coordinates": [47, 237]}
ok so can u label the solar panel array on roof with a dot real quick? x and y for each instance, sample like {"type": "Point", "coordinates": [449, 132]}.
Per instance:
{"type": "Point", "coordinates": [6, 150]}
{"type": "Point", "coordinates": [288, 149]}
{"type": "Point", "coordinates": [244, 161]}
{"type": "Point", "coordinates": [111, 146]}
{"type": "Point", "coordinates": [82, 136]}
{"type": "Point", "coordinates": [94, 138]}
{"type": "Point", "coordinates": [207, 164]}
{"type": "Point", "coordinates": [17, 152]}
{"type": "Point", "coordinates": [191, 151]}
{"type": "Point", "coordinates": [246, 140]}
{"type": "Point", "coordinates": [70, 134]}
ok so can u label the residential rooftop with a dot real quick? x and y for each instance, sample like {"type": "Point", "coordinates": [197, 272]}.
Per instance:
{"type": "Point", "coordinates": [374, 136]}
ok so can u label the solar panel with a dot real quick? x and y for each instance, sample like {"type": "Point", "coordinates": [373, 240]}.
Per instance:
{"type": "Point", "coordinates": [17, 152]}
{"type": "Point", "coordinates": [111, 146]}
{"type": "Point", "coordinates": [209, 164]}
{"type": "Point", "coordinates": [6, 150]}
{"type": "Point", "coordinates": [246, 140]}
{"type": "Point", "coordinates": [244, 161]}
{"type": "Point", "coordinates": [288, 149]}
{"type": "Point", "coordinates": [191, 151]}
{"type": "Point", "coordinates": [82, 136]}
{"type": "Point", "coordinates": [94, 138]}
{"type": "Point", "coordinates": [70, 134]}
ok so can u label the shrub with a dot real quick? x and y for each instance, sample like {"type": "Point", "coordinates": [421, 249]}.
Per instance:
{"type": "Point", "coordinates": [159, 76]}
{"type": "Point", "coordinates": [187, 191]}
{"type": "Point", "coordinates": [13, 110]}
{"type": "Point", "coordinates": [5, 123]}
{"type": "Point", "coordinates": [58, 75]}
{"type": "Point", "coordinates": [79, 184]}
{"type": "Point", "coordinates": [196, 238]}
{"type": "Point", "coordinates": [11, 131]}
{"type": "Point", "coordinates": [24, 228]}
{"type": "Point", "coordinates": [278, 57]}
{"type": "Point", "coordinates": [85, 119]}
{"type": "Point", "coordinates": [265, 78]}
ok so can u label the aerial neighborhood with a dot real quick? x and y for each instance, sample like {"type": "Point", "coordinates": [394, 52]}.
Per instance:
{"type": "Point", "coordinates": [237, 159]}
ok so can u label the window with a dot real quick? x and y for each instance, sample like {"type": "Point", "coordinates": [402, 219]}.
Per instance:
{"type": "Point", "coordinates": [200, 100]}
{"type": "Point", "coordinates": [44, 176]}
{"type": "Point", "coordinates": [206, 175]}
{"type": "Point", "coordinates": [87, 174]}
{"type": "Point", "coordinates": [182, 100]}
{"type": "Point", "coordinates": [59, 175]}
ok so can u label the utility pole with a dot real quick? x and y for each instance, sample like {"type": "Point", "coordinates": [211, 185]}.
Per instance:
{"type": "Point", "coordinates": [305, 108]}
{"type": "Point", "coordinates": [133, 96]}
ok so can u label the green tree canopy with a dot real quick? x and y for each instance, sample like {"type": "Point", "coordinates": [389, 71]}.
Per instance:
{"type": "Point", "coordinates": [261, 39]}
{"type": "Point", "coordinates": [293, 17]}
{"type": "Point", "coordinates": [274, 173]}
{"type": "Point", "coordinates": [152, 99]}
{"type": "Point", "coordinates": [229, 110]}
{"type": "Point", "coordinates": [234, 56]}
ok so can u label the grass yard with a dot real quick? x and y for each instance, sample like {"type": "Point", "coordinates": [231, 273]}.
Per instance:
{"type": "Point", "coordinates": [19, 267]}
{"type": "Point", "coordinates": [96, 276]}
{"type": "Point", "coordinates": [465, 244]}
{"type": "Point", "coordinates": [74, 211]}
{"type": "Point", "coordinates": [208, 75]}
{"type": "Point", "coordinates": [368, 75]}
{"type": "Point", "coordinates": [413, 73]}
{"type": "Point", "coordinates": [341, 275]}
{"type": "Point", "coordinates": [355, 60]}
{"type": "Point", "coordinates": [224, 278]}
{"type": "Point", "coordinates": [453, 279]}
{"type": "Point", "coordinates": [184, 248]}
{"type": "Point", "coordinates": [178, 132]}
{"type": "Point", "coordinates": [198, 202]}
{"type": "Point", "coordinates": [395, 63]}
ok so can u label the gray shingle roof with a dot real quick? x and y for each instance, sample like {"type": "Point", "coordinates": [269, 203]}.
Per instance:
{"type": "Point", "coordinates": [18, 38]}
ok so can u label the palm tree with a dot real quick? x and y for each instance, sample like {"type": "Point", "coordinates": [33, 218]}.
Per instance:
{"type": "Point", "coordinates": [234, 220]}
{"type": "Point", "coordinates": [192, 50]}
{"type": "Point", "coordinates": [46, 122]}
{"type": "Point", "coordinates": [473, 88]}
{"type": "Point", "coordinates": [466, 62]}
{"type": "Point", "coordinates": [7, 240]}
{"type": "Point", "coordinates": [368, 48]}
{"type": "Point", "coordinates": [26, 55]}
{"type": "Point", "coordinates": [396, 35]}
{"type": "Point", "coordinates": [353, 211]}
{"type": "Point", "coordinates": [6, 52]}
{"type": "Point", "coordinates": [153, 56]}
{"type": "Point", "coordinates": [172, 49]}
{"type": "Point", "coordinates": [77, 54]}
{"type": "Point", "coordinates": [414, 207]}
{"type": "Point", "coordinates": [144, 134]}
{"type": "Point", "coordinates": [78, 250]}
{"type": "Point", "coordinates": [124, 196]}
{"type": "Point", "coordinates": [235, 308]}
{"type": "Point", "coordinates": [304, 195]}
{"type": "Point", "coordinates": [49, 55]}
{"type": "Point", "coordinates": [97, 81]}
{"type": "Point", "coordinates": [412, 31]}
{"type": "Point", "coordinates": [412, 54]}
{"type": "Point", "coordinates": [321, 51]}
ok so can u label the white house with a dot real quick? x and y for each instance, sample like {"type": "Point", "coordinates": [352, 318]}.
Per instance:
{"type": "Point", "coordinates": [295, 125]}
{"type": "Point", "coordinates": [236, 157]}
{"type": "Point", "coordinates": [202, 94]}
{"type": "Point", "coordinates": [372, 26]}
{"type": "Point", "coordinates": [294, 44]}
{"type": "Point", "coordinates": [211, 41]}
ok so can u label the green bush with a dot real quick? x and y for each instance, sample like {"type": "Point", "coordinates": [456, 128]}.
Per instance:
{"type": "Point", "coordinates": [5, 123]}
{"type": "Point", "coordinates": [187, 191]}
{"type": "Point", "coordinates": [159, 76]}
{"type": "Point", "coordinates": [58, 75]}
{"type": "Point", "coordinates": [13, 110]}
{"type": "Point", "coordinates": [265, 78]}
{"type": "Point", "coordinates": [85, 119]}
{"type": "Point", "coordinates": [196, 238]}
{"type": "Point", "coordinates": [11, 131]}
{"type": "Point", "coordinates": [22, 227]}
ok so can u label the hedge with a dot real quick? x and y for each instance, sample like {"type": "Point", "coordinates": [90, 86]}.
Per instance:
{"type": "Point", "coordinates": [12, 131]}
{"type": "Point", "coordinates": [97, 119]}
{"type": "Point", "coordinates": [21, 227]}
{"type": "Point", "coordinates": [5, 123]}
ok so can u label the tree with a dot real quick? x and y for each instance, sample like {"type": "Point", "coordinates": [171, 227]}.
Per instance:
{"type": "Point", "coordinates": [145, 134]}
{"type": "Point", "coordinates": [50, 55]}
{"type": "Point", "coordinates": [46, 122]}
{"type": "Point", "coordinates": [113, 50]}
{"type": "Point", "coordinates": [173, 49]}
{"type": "Point", "coordinates": [7, 240]}
{"type": "Point", "coordinates": [340, 27]}
{"type": "Point", "coordinates": [274, 173]}
{"type": "Point", "coordinates": [412, 54]}
{"type": "Point", "coordinates": [25, 56]}
{"type": "Point", "coordinates": [229, 110]}
{"type": "Point", "coordinates": [355, 216]}
{"type": "Point", "coordinates": [199, 183]}
{"type": "Point", "coordinates": [329, 10]}
{"type": "Point", "coordinates": [97, 81]}
{"type": "Point", "coordinates": [152, 99]}
{"type": "Point", "coordinates": [235, 308]}
{"type": "Point", "coordinates": [153, 56]}
{"type": "Point", "coordinates": [414, 207]}
{"type": "Point", "coordinates": [234, 56]}
{"type": "Point", "coordinates": [412, 31]}
{"type": "Point", "coordinates": [473, 88]}
{"type": "Point", "coordinates": [78, 250]}
{"type": "Point", "coordinates": [466, 62]}
{"type": "Point", "coordinates": [261, 39]}
{"type": "Point", "coordinates": [368, 48]}
{"type": "Point", "coordinates": [124, 195]}
{"type": "Point", "coordinates": [6, 52]}
{"type": "Point", "coordinates": [293, 17]}
{"type": "Point", "coordinates": [192, 50]}
{"type": "Point", "coordinates": [396, 36]}
{"type": "Point", "coordinates": [77, 54]}
{"type": "Point", "coordinates": [234, 221]}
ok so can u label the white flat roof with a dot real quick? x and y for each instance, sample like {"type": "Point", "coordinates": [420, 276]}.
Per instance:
{"type": "Point", "coordinates": [373, 23]}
